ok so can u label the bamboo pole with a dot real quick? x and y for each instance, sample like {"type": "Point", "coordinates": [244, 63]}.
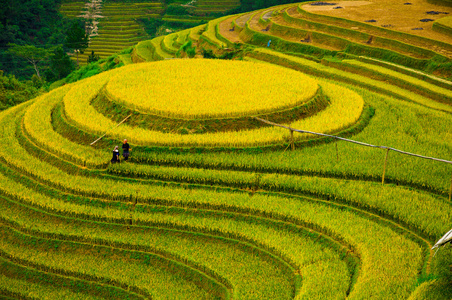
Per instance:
{"type": "Point", "coordinates": [110, 130]}
{"type": "Point", "coordinates": [291, 140]}
{"type": "Point", "coordinates": [384, 168]}
{"type": "Point", "coordinates": [352, 141]}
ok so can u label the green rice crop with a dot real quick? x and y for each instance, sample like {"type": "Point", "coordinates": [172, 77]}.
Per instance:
{"type": "Point", "coordinates": [22, 288]}
{"type": "Point", "coordinates": [410, 207]}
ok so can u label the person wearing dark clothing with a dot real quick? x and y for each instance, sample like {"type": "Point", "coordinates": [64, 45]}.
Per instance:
{"type": "Point", "coordinates": [125, 150]}
{"type": "Point", "coordinates": [115, 158]}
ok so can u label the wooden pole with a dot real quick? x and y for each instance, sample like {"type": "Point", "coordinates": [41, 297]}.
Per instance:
{"type": "Point", "coordinates": [291, 140]}
{"type": "Point", "coordinates": [110, 129]}
{"type": "Point", "coordinates": [384, 169]}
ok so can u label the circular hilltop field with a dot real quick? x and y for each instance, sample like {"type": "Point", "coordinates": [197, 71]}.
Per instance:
{"type": "Point", "coordinates": [197, 89]}
{"type": "Point", "coordinates": [177, 103]}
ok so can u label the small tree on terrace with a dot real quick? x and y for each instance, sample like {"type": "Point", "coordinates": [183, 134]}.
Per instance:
{"type": "Point", "coordinates": [77, 39]}
{"type": "Point", "coordinates": [93, 57]}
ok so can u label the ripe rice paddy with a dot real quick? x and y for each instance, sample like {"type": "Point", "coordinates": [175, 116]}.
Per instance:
{"type": "Point", "coordinates": [208, 210]}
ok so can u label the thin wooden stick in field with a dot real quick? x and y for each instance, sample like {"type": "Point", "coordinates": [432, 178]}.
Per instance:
{"type": "Point", "coordinates": [355, 142]}
{"type": "Point", "coordinates": [110, 130]}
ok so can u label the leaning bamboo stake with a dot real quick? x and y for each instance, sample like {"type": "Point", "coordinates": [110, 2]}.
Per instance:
{"type": "Point", "coordinates": [362, 144]}
{"type": "Point", "coordinates": [352, 141]}
{"type": "Point", "coordinates": [110, 130]}
{"type": "Point", "coordinates": [384, 168]}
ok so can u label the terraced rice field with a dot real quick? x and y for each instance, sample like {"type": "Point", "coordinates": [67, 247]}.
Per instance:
{"type": "Point", "coordinates": [72, 9]}
{"type": "Point", "coordinates": [117, 22]}
{"type": "Point", "coordinates": [117, 26]}
{"type": "Point", "coordinates": [204, 7]}
{"type": "Point", "coordinates": [214, 205]}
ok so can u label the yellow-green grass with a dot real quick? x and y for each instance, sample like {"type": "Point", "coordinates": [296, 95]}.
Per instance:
{"type": "Point", "coordinates": [156, 49]}
{"type": "Point", "coordinates": [443, 25]}
{"type": "Point", "coordinates": [121, 26]}
{"type": "Point", "coordinates": [35, 197]}
{"type": "Point", "coordinates": [408, 82]}
{"type": "Point", "coordinates": [240, 89]}
{"type": "Point", "coordinates": [106, 42]}
{"type": "Point", "coordinates": [256, 203]}
{"type": "Point", "coordinates": [430, 78]}
{"type": "Point", "coordinates": [101, 47]}
{"type": "Point", "coordinates": [126, 59]}
{"type": "Point", "coordinates": [320, 39]}
{"type": "Point", "coordinates": [300, 248]}
{"type": "Point", "coordinates": [182, 38]}
{"type": "Point", "coordinates": [333, 219]}
{"type": "Point", "coordinates": [411, 207]}
{"type": "Point", "coordinates": [210, 34]}
{"type": "Point", "coordinates": [72, 9]}
{"type": "Point", "coordinates": [317, 69]}
{"type": "Point", "coordinates": [143, 51]}
{"type": "Point", "coordinates": [120, 38]}
{"type": "Point", "coordinates": [124, 214]}
{"type": "Point", "coordinates": [188, 203]}
{"type": "Point", "coordinates": [131, 9]}
{"type": "Point", "coordinates": [433, 289]}
{"type": "Point", "coordinates": [23, 282]}
{"type": "Point", "coordinates": [344, 111]}
{"type": "Point", "coordinates": [182, 19]}
{"type": "Point", "coordinates": [406, 126]}
{"type": "Point", "coordinates": [303, 249]}
{"type": "Point", "coordinates": [38, 125]}
{"type": "Point", "coordinates": [150, 50]}
{"type": "Point", "coordinates": [167, 43]}
{"type": "Point", "coordinates": [128, 269]}
{"type": "Point", "coordinates": [241, 201]}
{"type": "Point", "coordinates": [121, 33]}
{"type": "Point", "coordinates": [22, 288]}
{"type": "Point", "coordinates": [195, 32]}
{"type": "Point", "coordinates": [45, 136]}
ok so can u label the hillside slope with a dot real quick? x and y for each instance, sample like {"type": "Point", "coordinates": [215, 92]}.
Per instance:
{"type": "Point", "coordinates": [213, 203]}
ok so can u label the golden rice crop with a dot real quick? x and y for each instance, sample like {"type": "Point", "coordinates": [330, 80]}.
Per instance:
{"type": "Point", "coordinates": [121, 267]}
{"type": "Point", "coordinates": [399, 257]}
{"type": "Point", "coordinates": [210, 34]}
{"type": "Point", "coordinates": [38, 125]}
{"type": "Point", "coordinates": [344, 110]}
{"type": "Point", "coordinates": [415, 82]}
{"type": "Point", "coordinates": [311, 67]}
{"type": "Point", "coordinates": [26, 288]}
{"type": "Point", "coordinates": [200, 88]}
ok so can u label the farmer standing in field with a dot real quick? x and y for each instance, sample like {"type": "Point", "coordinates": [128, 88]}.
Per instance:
{"type": "Point", "coordinates": [125, 150]}
{"type": "Point", "coordinates": [115, 158]}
